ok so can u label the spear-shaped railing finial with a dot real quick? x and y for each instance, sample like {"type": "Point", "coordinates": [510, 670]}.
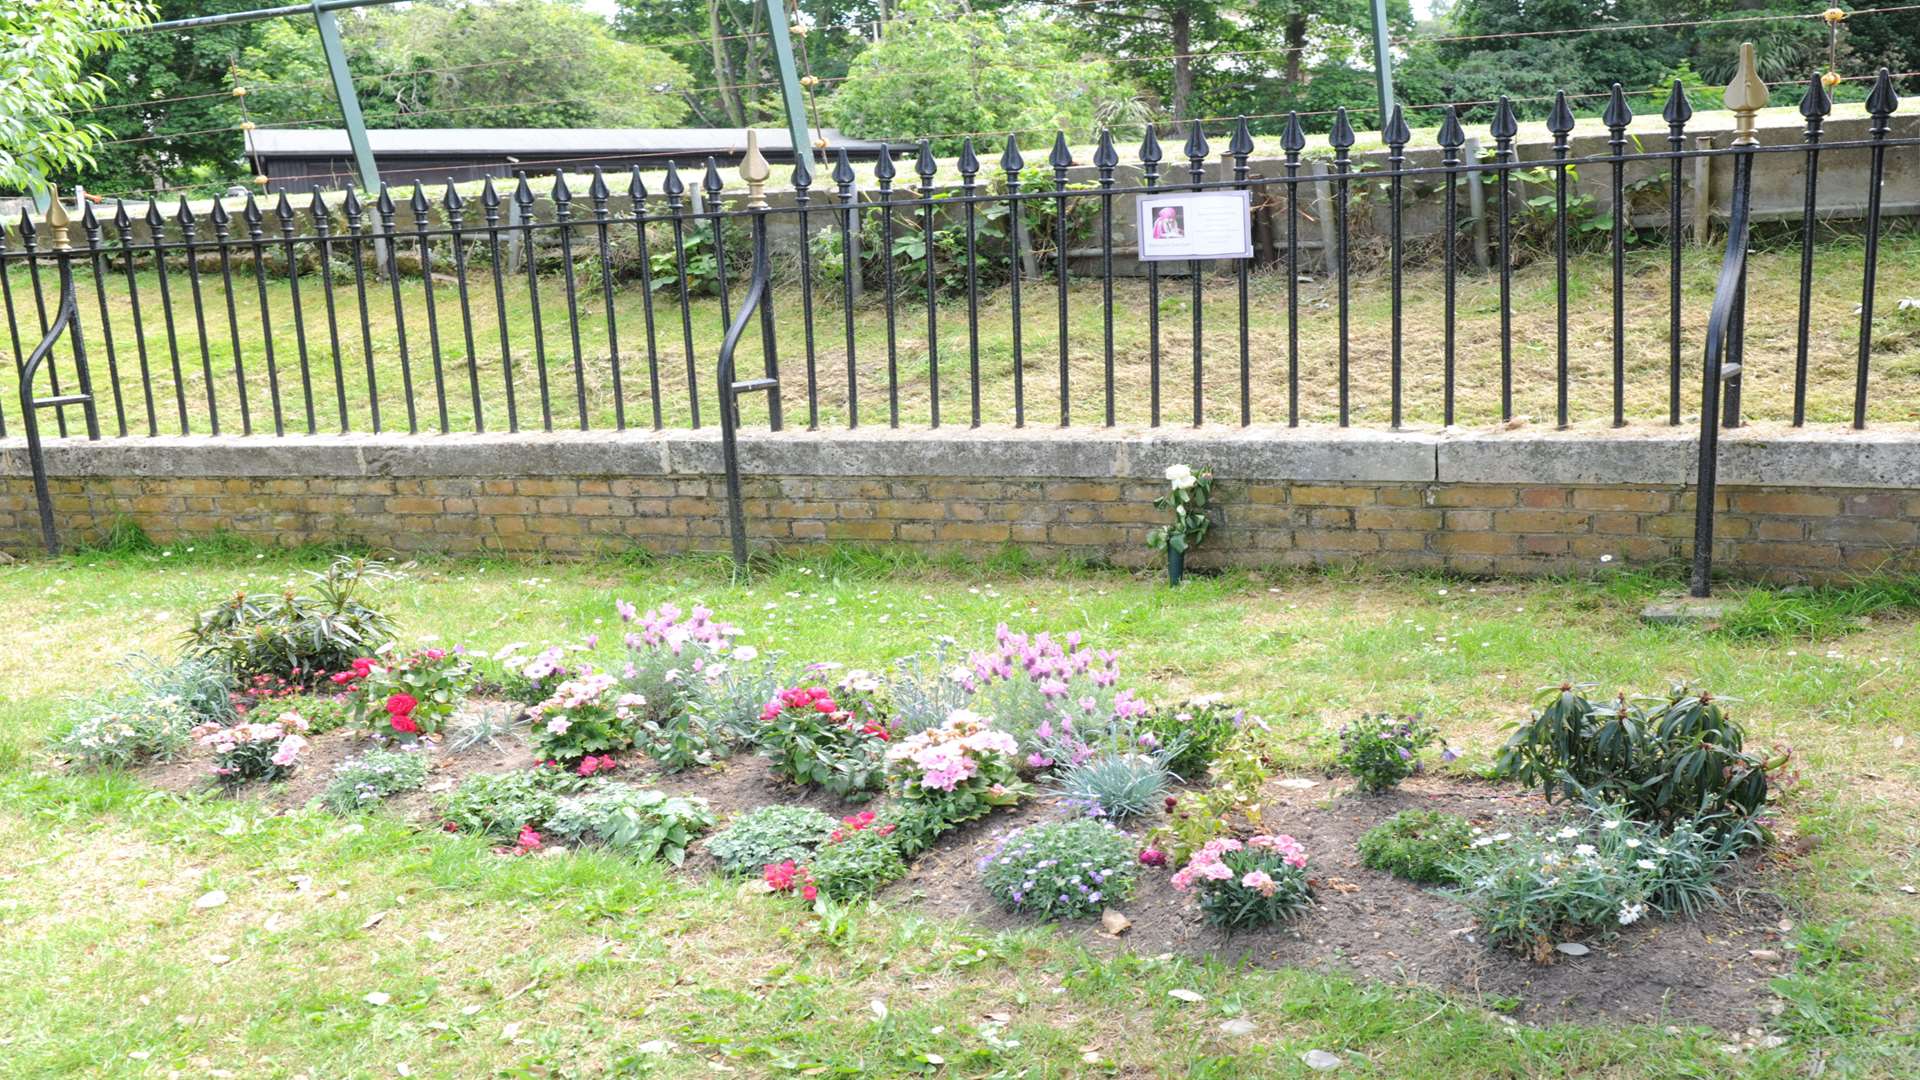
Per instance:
{"type": "Point", "coordinates": [1746, 96]}
{"type": "Point", "coordinates": [755, 170]}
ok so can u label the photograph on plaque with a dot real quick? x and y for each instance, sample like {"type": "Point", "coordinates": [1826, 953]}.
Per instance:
{"type": "Point", "coordinates": [1195, 225]}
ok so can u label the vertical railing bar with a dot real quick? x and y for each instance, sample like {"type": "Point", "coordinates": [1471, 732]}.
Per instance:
{"type": "Point", "coordinates": [1451, 139]}
{"type": "Point", "coordinates": [1196, 152]}
{"type": "Point", "coordinates": [13, 319]}
{"type": "Point", "coordinates": [250, 213]}
{"type": "Point", "coordinates": [563, 224]}
{"type": "Point", "coordinates": [390, 243]}
{"type": "Point", "coordinates": [883, 172]}
{"type": "Point", "coordinates": [123, 226]}
{"type": "Point", "coordinates": [600, 193]}
{"type": "Point", "coordinates": [1618, 116]}
{"type": "Point", "coordinates": [284, 210]}
{"type": "Point", "coordinates": [1150, 157]}
{"type": "Point", "coordinates": [1505, 126]}
{"type": "Point", "coordinates": [523, 198]}
{"type": "Point", "coordinates": [802, 199]}
{"type": "Point", "coordinates": [847, 217]}
{"type": "Point", "coordinates": [1061, 159]}
{"type": "Point", "coordinates": [1240, 146]}
{"type": "Point", "coordinates": [1105, 159]}
{"type": "Point", "coordinates": [29, 239]}
{"type": "Point", "coordinates": [455, 208]}
{"type": "Point", "coordinates": [1011, 163]}
{"type": "Point", "coordinates": [713, 205]}
{"type": "Point", "coordinates": [1342, 140]}
{"type": "Point", "coordinates": [222, 225]}
{"type": "Point", "coordinates": [323, 244]}
{"type": "Point", "coordinates": [1293, 139]}
{"type": "Point", "coordinates": [1814, 106]}
{"type": "Point", "coordinates": [187, 223]}
{"type": "Point", "coordinates": [925, 167]}
{"type": "Point", "coordinates": [1396, 136]}
{"type": "Point", "coordinates": [969, 170]}
{"type": "Point", "coordinates": [423, 248]}
{"type": "Point", "coordinates": [490, 215]}
{"type": "Point", "coordinates": [356, 231]}
{"type": "Point", "coordinates": [1880, 105]}
{"type": "Point", "coordinates": [676, 190]}
{"type": "Point", "coordinates": [637, 192]}
{"type": "Point", "coordinates": [97, 261]}
{"type": "Point", "coordinates": [1560, 123]}
{"type": "Point", "coordinates": [1677, 112]}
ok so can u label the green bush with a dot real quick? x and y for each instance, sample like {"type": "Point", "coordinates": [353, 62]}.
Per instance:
{"type": "Point", "coordinates": [770, 834]}
{"type": "Point", "coordinates": [1062, 870]}
{"type": "Point", "coordinates": [1529, 890]}
{"type": "Point", "coordinates": [857, 865]}
{"type": "Point", "coordinates": [643, 824]}
{"type": "Point", "coordinates": [374, 776]}
{"type": "Point", "coordinates": [297, 636]}
{"type": "Point", "coordinates": [1681, 759]}
{"type": "Point", "coordinates": [119, 734]}
{"type": "Point", "coordinates": [498, 805]}
{"type": "Point", "coordinates": [1380, 751]}
{"type": "Point", "coordinates": [1193, 733]}
{"type": "Point", "coordinates": [1419, 845]}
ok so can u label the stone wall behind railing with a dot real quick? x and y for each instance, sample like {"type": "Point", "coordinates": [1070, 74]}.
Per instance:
{"type": "Point", "coordinates": [1794, 506]}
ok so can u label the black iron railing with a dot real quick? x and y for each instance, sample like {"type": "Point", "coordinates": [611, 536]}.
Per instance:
{"type": "Point", "coordinates": [602, 310]}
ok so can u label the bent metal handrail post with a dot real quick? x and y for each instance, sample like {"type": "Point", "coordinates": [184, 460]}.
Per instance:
{"type": "Point", "coordinates": [65, 321]}
{"type": "Point", "coordinates": [1725, 324]}
{"type": "Point", "coordinates": [754, 170]}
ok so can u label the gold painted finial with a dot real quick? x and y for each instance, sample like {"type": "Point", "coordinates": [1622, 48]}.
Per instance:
{"type": "Point", "coordinates": [1746, 95]}
{"type": "Point", "coordinates": [57, 218]}
{"type": "Point", "coordinates": [755, 170]}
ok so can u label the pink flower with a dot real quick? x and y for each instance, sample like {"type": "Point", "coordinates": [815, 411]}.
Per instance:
{"type": "Point", "coordinates": [1258, 881]}
{"type": "Point", "coordinates": [1153, 857]}
{"type": "Point", "coordinates": [290, 748]}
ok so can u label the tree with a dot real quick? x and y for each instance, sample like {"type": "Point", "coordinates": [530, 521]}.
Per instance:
{"type": "Point", "coordinates": [517, 63]}
{"type": "Point", "coordinates": [48, 71]}
{"type": "Point", "coordinates": [933, 76]}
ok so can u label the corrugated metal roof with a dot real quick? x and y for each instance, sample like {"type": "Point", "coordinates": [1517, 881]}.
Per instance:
{"type": "Point", "coordinates": [497, 141]}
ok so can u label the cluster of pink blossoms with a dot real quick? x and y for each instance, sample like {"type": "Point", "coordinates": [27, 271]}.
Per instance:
{"type": "Point", "coordinates": [1049, 664]}
{"type": "Point", "coordinates": [947, 756]}
{"type": "Point", "coordinates": [663, 626]}
{"type": "Point", "coordinates": [227, 740]}
{"type": "Point", "coordinates": [1208, 864]}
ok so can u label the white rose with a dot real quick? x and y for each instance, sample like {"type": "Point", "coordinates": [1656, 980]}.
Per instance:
{"type": "Point", "coordinates": [1180, 476]}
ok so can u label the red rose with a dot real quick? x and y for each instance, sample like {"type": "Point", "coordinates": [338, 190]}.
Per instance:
{"type": "Point", "coordinates": [401, 704]}
{"type": "Point", "coordinates": [403, 723]}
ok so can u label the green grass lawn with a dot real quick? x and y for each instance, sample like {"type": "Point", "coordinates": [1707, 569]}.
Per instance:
{"type": "Point", "coordinates": [316, 379]}
{"type": "Point", "coordinates": [588, 965]}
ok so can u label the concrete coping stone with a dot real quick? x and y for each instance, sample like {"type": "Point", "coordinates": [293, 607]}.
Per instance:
{"type": "Point", "coordinates": [1660, 456]}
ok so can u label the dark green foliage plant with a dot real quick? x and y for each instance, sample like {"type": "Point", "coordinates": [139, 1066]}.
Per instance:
{"type": "Point", "coordinates": [632, 821]}
{"type": "Point", "coordinates": [1193, 733]}
{"type": "Point", "coordinates": [1419, 845]}
{"type": "Point", "coordinates": [1062, 870]}
{"type": "Point", "coordinates": [1380, 751]}
{"type": "Point", "coordinates": [857, 865]}
{"type": "Point", "coordinates": [499, 805]}
{"type": "Point", "coordinates": [1671, 759]}
{"type": "Point", "coordinates": [301, 636]}
{"type": "Point", "coordinates": [770, 834]}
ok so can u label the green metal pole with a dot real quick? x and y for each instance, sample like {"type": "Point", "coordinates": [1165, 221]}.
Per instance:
{"type": "Point", "coordinates": [355, 123]}
{"type": "Point", "coordinates": [790, 85]}
{"type": "Point", "coordinates": [1382, 60]}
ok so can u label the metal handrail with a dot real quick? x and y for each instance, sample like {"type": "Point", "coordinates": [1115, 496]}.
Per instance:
{"type": "Point", "coordinates": [755, 171]}
{"type": "Point", "coordinates": [65, 319]}
{"type": "Point", "coordinates": [1726, 322]}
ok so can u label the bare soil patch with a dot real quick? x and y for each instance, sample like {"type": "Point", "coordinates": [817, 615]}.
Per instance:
{"type": "Point", "coordinates": [1365, 923]}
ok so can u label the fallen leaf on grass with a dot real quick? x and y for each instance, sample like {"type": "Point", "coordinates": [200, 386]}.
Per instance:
{"type": "Point", "coordinates": [378, 998]}
{"type": "Point", "coordinates": [1320, 1059]}
{"type": "Point", "coordinates": [1237, 1027]}
{"type": "Point", "coordinates": [211, 900]}
{"type": "Point", "coordinates": [1341, 885]}
{"type": "Point", "coordinates": [373, 920]}
{"type": "Point", "coordinates": [1185, 995]}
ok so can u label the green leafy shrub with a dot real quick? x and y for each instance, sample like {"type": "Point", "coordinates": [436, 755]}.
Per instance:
{"type": "Point", "coordinates": [858, 865]}
{"type": "Point", "coordinates": [588, 714]}
{"type": "Point", "coordinates": [299, 636]}
{"type": "Point", "coordinates": [644, 824]}
{"type": "Point", "coordinates": [812, 740]}
{"type": "Point", "coordinates": [1062, 870]}
{"type": "Point", "coordinates": [1115, 786]}
{"type": "Point", "coordinates": [1680, 759]}
{"type": "Point", "coordinates": [406, 695]}
{"type": "Point", "coordinates": [1192, 734]}
{"type": "Point", "coordinates": [323, 712]}
{"type": "Point", "coordinates": [374, 776]}
{"type": "Point", "coordinates": [1380, 751]}
{"type": "Point", "coordinates": [770, 834]}
{"type": "Point", "coordinates": [499, 805]}
{"type": "Point", "coordinates": [960, 770]}
{"type": "Point", "coordinates": [914, 825]}
{"type": "Point", "coordinates": [201, 685]}
{"type": "Point", "coordinates": [1242, 885]}
{"type": "Point", "coordinates": [1229, 802]}
{"type": "Point", "coordinates": [1529, 890]}
{"type": "Point", "coordinates": [1419, 845]}
{"type": "Point", "coordinates": [127, 732]}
